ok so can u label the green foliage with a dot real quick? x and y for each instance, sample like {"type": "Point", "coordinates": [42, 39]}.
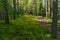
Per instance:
{"type": "Point", "coordinates": [24, 28]}
{"type": "Point", "coordinates": [58, 24]}
{"type": "Point", "coordinates": [42, 10]}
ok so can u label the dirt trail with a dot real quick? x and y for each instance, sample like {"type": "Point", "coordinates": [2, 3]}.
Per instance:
{"type": "Point", "coordinates": [44, 22]}
{"type": "Point", "coordinates": [48, 25]}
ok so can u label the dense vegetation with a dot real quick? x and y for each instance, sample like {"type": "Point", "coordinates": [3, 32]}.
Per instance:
{"type": "Point", "coordinates": [19, 19]}
{"type": "Point", "coordinates": [24, 28]}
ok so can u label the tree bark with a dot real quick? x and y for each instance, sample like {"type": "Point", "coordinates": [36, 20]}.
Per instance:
{"type": "Point", "coordinates": [47, 8]}
{"type": "Point", "coordinates": [5, 12]}
{"type": "Point", "coordinates": [18, 9]}
{"type": "Point", "coordinates": [54, 19]}
{"type": "Point", "coordinates": [14, 9]}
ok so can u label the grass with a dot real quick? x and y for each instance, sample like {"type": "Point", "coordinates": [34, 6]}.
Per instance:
{"type": "Point", "coordinates": [24, 28]}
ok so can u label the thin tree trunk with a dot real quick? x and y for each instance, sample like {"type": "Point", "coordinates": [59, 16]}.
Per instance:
{"type": "Point", "coordinates": [47, 8]}
{"type": "Point", "coordinates": [41, 8]}
{"type": "Point", "coordinates": [2, 15]}
{"type": "Point", "coordinates": [5, 12]}
{"type": "Point", "coordinates": [34, 7]}
{"type": "Point", "coordinates": [14, 9]}
{"type": "Point", "coordinates": [54, 19]}
{"type": "Point", "coordinates": [18, 9]}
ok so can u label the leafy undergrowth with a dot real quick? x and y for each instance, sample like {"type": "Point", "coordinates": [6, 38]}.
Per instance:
{"type": "Point", "coordinates": [50, 21]}
{"type": "Point", "coordinates": [24, 28]}
{"type": "Point", "coordinates": [58, 25]}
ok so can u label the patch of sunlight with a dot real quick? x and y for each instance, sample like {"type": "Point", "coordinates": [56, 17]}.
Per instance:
{"type": "Point", "coordinates": [48, 35]}
{"type": "Point", "coordinates": [58, 21]}
{"type": "Point", "coordinates": [35, 19]}
{"type": "Point", "coordinates": [48, 20]}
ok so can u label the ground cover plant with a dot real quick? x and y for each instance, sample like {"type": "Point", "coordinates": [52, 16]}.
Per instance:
{"type": "Point", "coordinates": [24, 28]}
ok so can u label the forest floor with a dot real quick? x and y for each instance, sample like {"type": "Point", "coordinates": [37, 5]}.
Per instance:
{"type": "Point", "coordinates": [26, 28]}
{"type": "Point", "coordinates": [44, 22]}
{"type": "Point", "coordinates": [47, 24]}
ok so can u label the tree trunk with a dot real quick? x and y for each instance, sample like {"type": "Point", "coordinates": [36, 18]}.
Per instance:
{"type": "Point", "coordinates": [14, 9]}
{"type": "Point", "coordinates": [2, 15]}
{"type": "Point", "coordinates": [54, 19]}
{"type": "Point", "coordinates": [18, 9]}
{"type": "Point", "coordinates": [41, 8]}
{"type": "Point", "coordinates": [34, 7]}
{"type": "Point", "coordinates": [5, 12]}
{"type": "Point", "coordinates": [47, 8]}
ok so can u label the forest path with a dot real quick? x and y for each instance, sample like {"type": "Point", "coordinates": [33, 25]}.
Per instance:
{"type": "Point", "coordinates": [48, 25]}
{"type": "Point", "coordinates": [44, 22]}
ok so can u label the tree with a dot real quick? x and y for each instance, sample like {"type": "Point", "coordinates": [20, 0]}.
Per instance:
{"type": "Point", "coordinates": [14, 9]}
{"type": "Point", "coordinates": [34, 7]}
{"type": "Point", "coordinates": [41, 8]}
{"type": "Point", "coordinates": [54, 19]}
{"type": "Point", "coordinates": [47, 8]}
{"type": "Point", "coordinates": [26, 7]}
{"type": "Point", "coordinates": [2, 15]}
{"type": "Point", "coordinates": [5, 12]}
{"type": "Point", "coordinates": [18, 9]}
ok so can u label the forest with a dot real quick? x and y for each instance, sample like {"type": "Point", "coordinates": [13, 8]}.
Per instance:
{"type": "Point", "coordinates": [29, 19]}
